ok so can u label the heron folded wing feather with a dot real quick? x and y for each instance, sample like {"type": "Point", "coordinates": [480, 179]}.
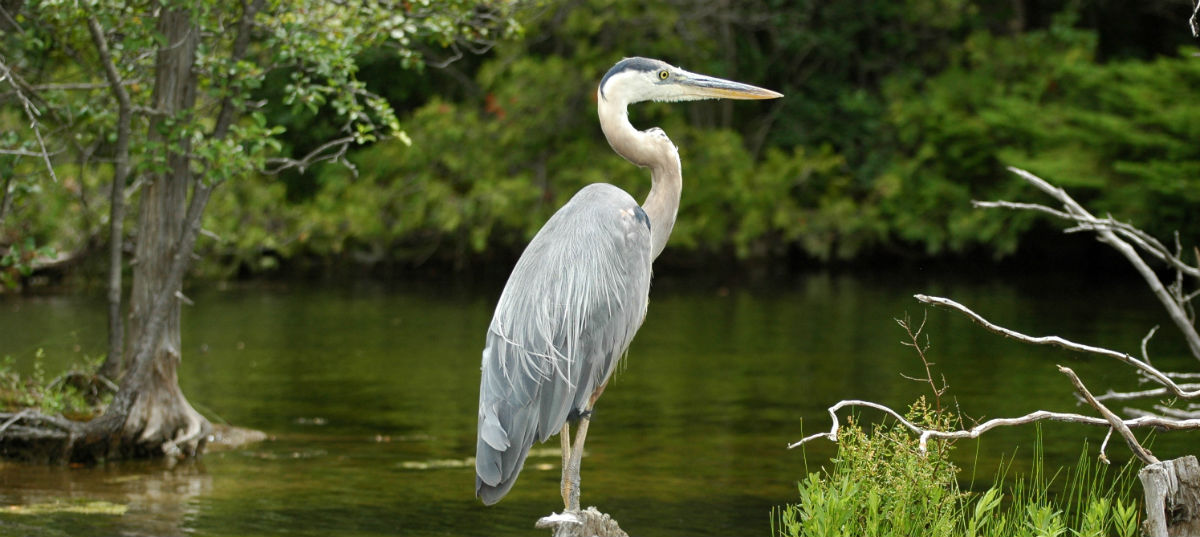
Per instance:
{"type": "Point", "coordinates": [567, 314]}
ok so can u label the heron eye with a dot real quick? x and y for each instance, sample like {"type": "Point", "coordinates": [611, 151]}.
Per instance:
{"type": "Point", "coordinates": [662, 75]}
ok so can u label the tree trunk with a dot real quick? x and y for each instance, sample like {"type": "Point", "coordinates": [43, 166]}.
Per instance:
{"type": "Point", "coordinates": [111, 369]}
{"type": "Point", "coordinates": [1172, 497]}
{"type": "Point", "coordinates": [150, 415]}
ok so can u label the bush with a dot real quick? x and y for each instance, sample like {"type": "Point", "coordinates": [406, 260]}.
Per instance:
{"type": "Point", "coordinates": [882, 485]}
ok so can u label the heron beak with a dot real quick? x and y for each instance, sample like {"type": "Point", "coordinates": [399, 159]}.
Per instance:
{"type": "Point", "coordinates": [707, 87]}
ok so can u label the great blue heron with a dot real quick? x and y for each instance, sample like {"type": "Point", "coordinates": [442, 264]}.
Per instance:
{"type": "Point", "coordinates": [580, 290]}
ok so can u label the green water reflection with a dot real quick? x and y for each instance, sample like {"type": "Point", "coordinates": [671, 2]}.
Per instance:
{"type": "Point", "coordinates": [369, 392]}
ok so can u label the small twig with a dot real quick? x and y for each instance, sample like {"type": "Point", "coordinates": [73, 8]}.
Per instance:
{"type": "Point", "coordinates": [1117, 423]}
{"type": "Point", "coordinates": [915, 343]}
{"type": "Point", "coordinates": [1104, 446]}
{"type": "Point", "coordinates": [1145, 342]}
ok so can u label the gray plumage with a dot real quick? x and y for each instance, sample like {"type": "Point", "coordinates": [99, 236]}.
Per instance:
{"type": "Point", "coordinates": [580, 290]}
{"type": "Point", "coordinates": [570, 309]}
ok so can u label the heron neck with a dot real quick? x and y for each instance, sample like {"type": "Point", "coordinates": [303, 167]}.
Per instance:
{"type": "Point", "coordinates": [650, 149]}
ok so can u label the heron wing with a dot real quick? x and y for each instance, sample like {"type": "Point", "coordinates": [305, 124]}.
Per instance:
{"type": "Point", "coordinates": [566, 316]}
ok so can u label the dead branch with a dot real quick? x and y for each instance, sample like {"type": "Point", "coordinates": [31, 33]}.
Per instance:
{"type": "Point", "coordinates": [1116, 422]}
{"type": "Point", "coordinates": [1056, 341]}
{"type": "Point", "coordinates": [1144, 240]}
{"type": "Point", "coordinates": [1111, 395]}
{"type": "Point", "coordinates": [31, 112]}
{"type": "Point", "coordinates": [924, 434]}
{"type": "Point", "coordinates": [1111, 232]}
{"type": "Point", "coordinates": [1195, 26]}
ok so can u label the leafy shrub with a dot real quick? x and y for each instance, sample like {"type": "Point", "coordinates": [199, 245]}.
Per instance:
{"type": "Point", "coordinates": [881, 485]}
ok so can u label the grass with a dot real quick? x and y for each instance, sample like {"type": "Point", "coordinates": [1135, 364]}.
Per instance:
{"type": "Point", "coordinates": [74, 394]}
{"type": "Point", "coordinates": [881, 485]}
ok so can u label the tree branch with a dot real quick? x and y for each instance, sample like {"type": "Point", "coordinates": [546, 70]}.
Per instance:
{"type": "Point", "coordinates": [1195, 26]}
{"type": "Point", "coordinates": [320, 154]}
{"type": "Point", "coordinates": [974, 432]}
{"type": "Point", "coordinates": [1107, 236]}
{"type": "Point", "coordinates": [1116, 422]}
{"type": "Point", "coordinates": [31, 112]}
{"type": "Point", "coordinates": [1145, 368]}
{"type": "Point", "coordinates": [4, 196]}
{"type": "Point", "coordinates": [240, 44]}
{"type": "Point", "coordinates": [116, 221]}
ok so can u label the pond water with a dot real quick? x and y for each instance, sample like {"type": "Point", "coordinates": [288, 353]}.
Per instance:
{"type": "Point", "coordinates": [369, 392]}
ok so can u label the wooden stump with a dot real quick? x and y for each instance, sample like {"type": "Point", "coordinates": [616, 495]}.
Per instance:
{"type": "Point", "coordinates": [1172, 498]}
{"type": "Point", "coordinates": [589, 522]}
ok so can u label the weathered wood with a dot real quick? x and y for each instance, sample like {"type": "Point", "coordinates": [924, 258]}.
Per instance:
{"type": "Point", "coordinates": [1172, 498]}
{"type": "Point", "coordinates": [589, 522]}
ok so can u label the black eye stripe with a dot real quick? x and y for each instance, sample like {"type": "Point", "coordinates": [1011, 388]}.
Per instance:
{"type": "Point", "coordinates": [631, 64]}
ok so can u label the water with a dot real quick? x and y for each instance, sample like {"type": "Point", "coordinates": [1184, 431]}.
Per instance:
{"type": "Point", "coordinates": [369, 393]}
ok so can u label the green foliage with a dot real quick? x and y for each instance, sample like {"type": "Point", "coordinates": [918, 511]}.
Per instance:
{"type": "Point", "coordinates": [881, 485]}
{"type": "Point", "coordinates": [62, 395]}
{"type": "Point", "coordinates": [58, 82]}
{"type": "Point", "coordinates": [896, 116]}
{"type": "Point", "coordinates": [1115, 134]}
{"type": "Point", "coordinates": [18, 261]}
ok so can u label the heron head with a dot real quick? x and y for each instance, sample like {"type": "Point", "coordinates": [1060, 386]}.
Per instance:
{"type": "Point", "coordinates": [635, 80]}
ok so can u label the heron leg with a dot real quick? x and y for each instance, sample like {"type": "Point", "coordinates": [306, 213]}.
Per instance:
{"type": "Point", "coordinates": [565, 436]}
{"type": "Point", "coordinates": [572, 466]}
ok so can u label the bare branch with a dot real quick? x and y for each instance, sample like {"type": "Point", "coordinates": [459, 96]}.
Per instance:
{"type": "Point", "coordinates": [1175, 412]}
{"type": "Point", "coordinates": [25, 153]}
{"type": "Point", "coordinates": [915, 343]}
{"type": "Point", "coordinates": [1107, 235]}
{"type": "Point", "coordinates": [1022, 207]}
{"type": "Point", "coordinates": [18, 416]}
{"type": "Point", "coordinates": [31, 112]}
{"type": "Point", "coordinates": [1156, 392]}
{"type": "Point", "coordinates": [1146, 341]}
{"type": "Point", "coordinates": [1087, 222]}
{"type": "Point", "coordinates": [1056, 341]}
{"type": "Point", "coordinates": [4, 196]}
{"type": "Point", "coordinates": [116, 221]}
{"type": "Point", "coordinates": [1195, 26]}
{"type": "Point", "coordinates": [78, 86]}
{"type": "Point", "coordinates": [333, 150]}
{"type": "Point", "coordinates": [1156, 422]}
{"type": "Point", "coordinates": [1104, 446]}
{"type": "Point", "coordinates": [1117, 423]}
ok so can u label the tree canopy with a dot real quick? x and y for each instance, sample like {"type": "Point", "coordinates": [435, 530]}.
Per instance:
{"type": "Point", "coordinates": [896, 115]}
